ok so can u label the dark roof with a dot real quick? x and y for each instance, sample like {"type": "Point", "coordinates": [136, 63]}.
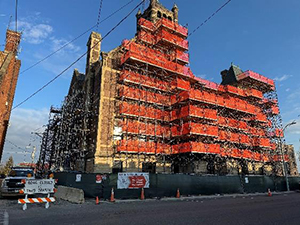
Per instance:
{"type": "Point", "coordinates": [230, 76]}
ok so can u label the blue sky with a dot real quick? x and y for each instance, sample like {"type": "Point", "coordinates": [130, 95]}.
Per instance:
{"type": "Point", "coordinates": [258, 35]}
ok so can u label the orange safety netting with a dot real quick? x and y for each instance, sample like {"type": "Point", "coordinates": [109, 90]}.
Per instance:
{"type": "Point", "coordinates": [278, 158]}
{"type": "Point", "coordinates": [144, 80]}
{"type": "Point", "coordinates": [194, 128]}
{"type": "Point", "coordinates": [257, 131]}
{"type": "Point", "coordinates": [254, 93]}
{"type": "Point", "coordinates": [195, 147]}
{"type": "Point", "coordinates": [193, 111]}
{"type": "Point", "coordinates": [136, 127]}
{"type": "Point", "coordinates": [172, 26]}
{"type": "Point", "coordinates": [261, 142]}
{"type": "Point", "coordinates": [146, 37]}
{"type": "Point", "coordinates": [229, 122]}
{"type": "Point", "coordinates": [153, 57]}
{"type": "Point", "coordinates": [146, 24]}
{"type": "Point", "coordinates": [143, 95]}
{"type": "Point", "coordinates": [143, 111]}
{"type": "Point", "coordinates": [256, 76]}
{"type": "Point", "coordinates": [260, 117]}
{"type": "Point", "coordinates": [180, 55]}
{"type": "Point", "coordinates": [137, 146]}
{"type": "Point", "coordinates": [179, 83]}
{"type": "Point", "coordinates": [165, 36]}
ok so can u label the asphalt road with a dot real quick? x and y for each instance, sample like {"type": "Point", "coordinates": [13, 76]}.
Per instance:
{"type": "Point", "coordinates": [279, 209]}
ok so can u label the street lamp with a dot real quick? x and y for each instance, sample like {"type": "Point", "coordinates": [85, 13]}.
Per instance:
{"type": "Point", "coordinates": [282, 156]}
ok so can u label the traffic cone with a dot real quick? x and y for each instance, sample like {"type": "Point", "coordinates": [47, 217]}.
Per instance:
{"type": "Point", "coordinates": [177, 193]}
{"type": "Point", "coordinates": [142, 194]}
{"type": "Point", "coordinates": [112, 196]}
{"type": "Point", "coordinates": [269, 192]}
{"type": "Point", "coordinates": [97, 200]}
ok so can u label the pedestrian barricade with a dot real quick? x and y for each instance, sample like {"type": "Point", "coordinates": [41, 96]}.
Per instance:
{"type": "Point", "coordinates": [37, 186]}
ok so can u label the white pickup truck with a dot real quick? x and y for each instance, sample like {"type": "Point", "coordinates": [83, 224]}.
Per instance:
{"type": "Point", "coordinates": [12, 184]}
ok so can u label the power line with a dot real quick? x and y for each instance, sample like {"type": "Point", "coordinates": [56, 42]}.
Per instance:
{"type": "Point", "coordinates": [99, 14]}
{"type": "Point", "coordinates": [57, 76]}
{"type": "Point", "coordinates": [16, 15]}
{"type": "Point", "coordinates": [212, 15]}
{"type": "Point", "coordinates": [65, 45]}
{"type": "Point", "coordinates": [16, 146]}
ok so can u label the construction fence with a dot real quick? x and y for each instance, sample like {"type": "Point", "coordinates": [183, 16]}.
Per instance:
{"type": "Point", "coordinates": [166, 185]}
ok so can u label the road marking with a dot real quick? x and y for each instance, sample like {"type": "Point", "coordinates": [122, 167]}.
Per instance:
{"type": "Point", "coordinates": [4, 217]}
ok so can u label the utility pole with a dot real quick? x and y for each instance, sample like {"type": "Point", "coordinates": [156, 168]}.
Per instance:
{"type": "Point", "coordinates": [282, 156]}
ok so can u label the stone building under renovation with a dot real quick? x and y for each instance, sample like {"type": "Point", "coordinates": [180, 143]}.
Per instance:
{"type": "Point", "coordinates": [139, 107]}
{"type": "Point", "coordinates": [9, 72]}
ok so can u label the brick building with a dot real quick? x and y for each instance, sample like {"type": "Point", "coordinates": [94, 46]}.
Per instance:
{"type": "Point", "coordinates": [9, 72]}
{"type": "Point", "coordinates": [139, 107]}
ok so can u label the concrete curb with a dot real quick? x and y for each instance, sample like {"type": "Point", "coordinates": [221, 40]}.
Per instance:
{"type": "Point", "coordinates": [197, 198]}
{"type": "Point", "coordinates": [74, 195]}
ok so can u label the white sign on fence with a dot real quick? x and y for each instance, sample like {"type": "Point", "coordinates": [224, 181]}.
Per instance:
{"type": "Point", "coordinates": [44, 186]}
{"type": "Point", "coordinates": [133, 180]}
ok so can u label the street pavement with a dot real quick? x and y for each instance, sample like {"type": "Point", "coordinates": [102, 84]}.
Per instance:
{"type": "Point", "coordinates": [281, 209]}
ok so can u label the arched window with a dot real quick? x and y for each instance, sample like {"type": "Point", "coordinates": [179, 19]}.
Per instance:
{"type": "Point", "coordinates": [170, 18]}
{"type": "Point", "coordinates": [158, 14]}
{"type": "Point", "coordinates": [164, 15]}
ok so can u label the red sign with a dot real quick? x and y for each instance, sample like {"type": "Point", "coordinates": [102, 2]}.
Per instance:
{"type": "Point", "coordinates": [98, 178]}
{"type": "Point", "coordinates": [137, 181]}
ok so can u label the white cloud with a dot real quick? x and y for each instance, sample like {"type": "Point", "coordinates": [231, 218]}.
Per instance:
{"type": "Point", "coordinates": [34, 33]}
{"type": "Point", "coordinates": [287, 90]}
{"type": "Point", "coordinates": [283, 78]}
{"type": "Point", "coordinates": [58, 43]}
{"type": "Point", "coordinates": [2, 15]}
{"type": "Point", "coordinates": [294, 95]}
{"type": "Point", "coordinates": [22, 123]}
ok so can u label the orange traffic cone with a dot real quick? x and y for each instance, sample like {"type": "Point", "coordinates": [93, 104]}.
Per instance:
{"type": "Point", "coordinates": [142, 194]}
{"type": "Point", "coordinates": [177, 193]}
{"type": "Point", "coordinates": [269, 192]}
{"type": "Point", "coordinates": [97, 200]}
{"type": "Point", "coordinates": [112, 196]}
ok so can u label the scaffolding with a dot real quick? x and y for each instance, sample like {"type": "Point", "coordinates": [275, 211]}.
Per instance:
{"type": "Point", "coordinates": [145, 106]}
{"type": "Point", "coordinates": [165, 110]}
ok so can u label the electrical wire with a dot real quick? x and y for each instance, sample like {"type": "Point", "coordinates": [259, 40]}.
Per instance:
{"type": "Point", "coordinates": [57, 76]}
{"type": "Point", "coordinates": [212, 15]}
{"type": "Point", "coordinates": [79, 36]}
{"type": "Point", "coordinates": [99, 14]}
{"type": "Point", "coordinates": [16, 15]}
